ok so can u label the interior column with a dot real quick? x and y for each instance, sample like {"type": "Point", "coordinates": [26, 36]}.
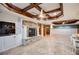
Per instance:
{"type": "Point", "coordinates": [51, 29]}
{"type": "Point", "coordinates": [38, 27]}
{"type": "Point", "coordinates": [42, 31]}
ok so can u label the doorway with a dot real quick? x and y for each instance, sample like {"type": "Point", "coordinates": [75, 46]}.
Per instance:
{"type": "Point", "coordinates": [46, 29]}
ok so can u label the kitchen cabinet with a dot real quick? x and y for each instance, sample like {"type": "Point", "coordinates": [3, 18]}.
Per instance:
{"type": "Point", "coordinates": [1, 44]}
{"type": "Point", "coordinates": [8, 42]}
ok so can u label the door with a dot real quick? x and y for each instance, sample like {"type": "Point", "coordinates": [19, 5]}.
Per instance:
{"type": "Point", "coordinates": [46, 29]}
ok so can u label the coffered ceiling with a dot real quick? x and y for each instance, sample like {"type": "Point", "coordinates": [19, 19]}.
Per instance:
{"type": "Point", "coordinates": [52, 10]}
{"type": "Point", "coordinates": [70, 21]}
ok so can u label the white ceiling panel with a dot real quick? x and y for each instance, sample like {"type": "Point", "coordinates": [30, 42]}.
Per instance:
{"type": "Point", "coordinates": [54, 14]}
{"type": "Point", "coordinates": [49, 6]}
{"type": "Point", "coordinates": [21, 5]}
{"type": "Point", "coordinates": [33, 11]}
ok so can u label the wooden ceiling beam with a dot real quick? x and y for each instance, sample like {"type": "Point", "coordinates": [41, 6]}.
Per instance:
{"type": "Point", "coordinates": [56, 16]}
{"type": "Point", "coordinates": [66, 21]}
{"type": "Point", "coordinates": [29, 7]}
{"type": "Point", "coordinates": [36, 5]}
{"type": "Point", "coordinates": [61, 7]}
{"type": "Point", "coordinates": [55, 10]}
{"type": "Point", "coordinates": [18, 10]}
{"type": "Point", "coordinates": [39, 8]}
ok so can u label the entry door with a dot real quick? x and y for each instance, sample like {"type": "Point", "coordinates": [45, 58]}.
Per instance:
{"type": "Point", "coordinates": [46, 29]}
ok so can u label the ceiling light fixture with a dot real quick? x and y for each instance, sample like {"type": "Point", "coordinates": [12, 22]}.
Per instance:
{"type": "Point", "coordinates": [42, 15]}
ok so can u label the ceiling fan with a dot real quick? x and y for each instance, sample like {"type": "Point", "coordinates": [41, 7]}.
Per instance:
{"type": "Point", "coordinates": [41, 15]}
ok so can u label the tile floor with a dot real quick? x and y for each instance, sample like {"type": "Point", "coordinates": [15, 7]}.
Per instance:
{"type": "Point", "coordinates": [56, 45]}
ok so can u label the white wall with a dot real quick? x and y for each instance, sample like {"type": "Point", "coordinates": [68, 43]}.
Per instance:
{"type": "Point", "coordinates": [63, 31]}
{"type": "Point", "coordinates": [71, 11]}
{"type": "Point", "coordinates": [7, 42]}
{"type": "Point", "coordinates": [67, 32]}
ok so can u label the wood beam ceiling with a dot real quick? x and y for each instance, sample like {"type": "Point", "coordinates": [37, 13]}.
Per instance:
{"type": "Point", "coordinates": [55, 17]}
{"type": "Point", "coordinates": [18, 10]}
{"type": "Point", "coordinates": [29, 7]}
{"type": "Point", "coordinates": [38, 8]}
{"type": "Point", "coordinates": [34, 5]}
{"type": "Point", "coordinates": [61, 7]}
{"type": "Point", "coordinates": [55, 10]}
{"type": "Point", "coordinates": [66, 21]}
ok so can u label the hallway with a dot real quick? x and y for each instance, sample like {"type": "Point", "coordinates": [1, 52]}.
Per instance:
{"type": "Point", "coordinates": [56, 45]}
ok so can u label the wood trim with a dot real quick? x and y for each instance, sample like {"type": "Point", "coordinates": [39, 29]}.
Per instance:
{"type": "Point", "coordinates": [55, 10]}
{"type": "Point", "coordinates": [66, 21]}
{"type": "Point", "coordinates": [30, 6]}
{"type": "Point", "coordinates": [38, 8]}
{"type": "Point", "coordinates": [24, 12]}
{"type": "Point", "coordinates": [58, 15]}
{"type": "Point", "coordinates": [40, 29]}
{"type": "Point", "coordinates": [61, 8]}
{"type": "Point", "coordinates": [58, 9]}
{"type": "Point", "coordinates": [18, 10]}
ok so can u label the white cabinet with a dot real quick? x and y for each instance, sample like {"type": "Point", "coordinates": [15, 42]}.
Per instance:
{"type": "Point", "coordinates": [1, 44]}
{"type": "Point", "coordinates": [10, 41]}
{"type": "Point", "coordinates": [7, 42]}
{"type": "Point", "coordinates": [19, 39]}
